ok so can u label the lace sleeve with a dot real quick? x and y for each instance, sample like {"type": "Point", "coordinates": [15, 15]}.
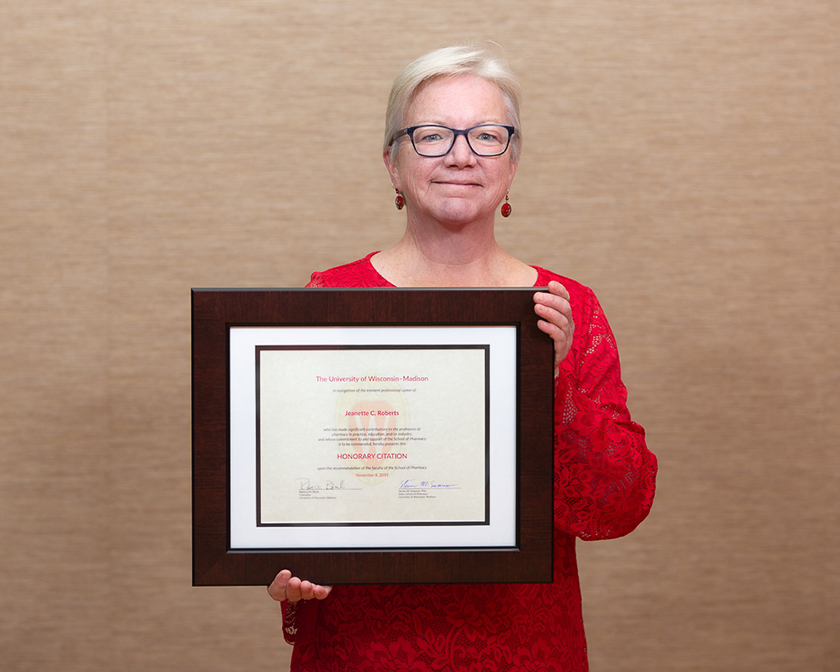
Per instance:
{"type": "Point", "coordinates": [604, 475]}
{"type": "Point", "coordinates": [299, 620]}
{"type": "Point", "coordinates": [317, 280]}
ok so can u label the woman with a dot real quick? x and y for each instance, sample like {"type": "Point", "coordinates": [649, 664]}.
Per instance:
{"type": "Point", "coordinates": [452, 148]}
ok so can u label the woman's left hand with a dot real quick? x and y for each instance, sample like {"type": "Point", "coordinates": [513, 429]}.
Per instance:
{"type": "Point", "coordinates": [555, 313]}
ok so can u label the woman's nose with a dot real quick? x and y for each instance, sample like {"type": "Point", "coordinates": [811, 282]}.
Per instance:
{"type": "Point", "coordinates": [461, 153]}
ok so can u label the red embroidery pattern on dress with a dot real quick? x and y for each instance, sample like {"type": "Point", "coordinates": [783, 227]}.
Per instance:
{"type": "Point", "coordinates": [604, 480]}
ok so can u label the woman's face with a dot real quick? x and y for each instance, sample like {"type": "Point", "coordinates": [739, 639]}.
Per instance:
{"type": "Point", "coordinates": [460, 187]}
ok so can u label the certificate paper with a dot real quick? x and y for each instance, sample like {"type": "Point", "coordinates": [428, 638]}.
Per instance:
{"type": "Point", "coordinates": [358, 435]}
{"type": "Point", "coordinates": [373, 437]}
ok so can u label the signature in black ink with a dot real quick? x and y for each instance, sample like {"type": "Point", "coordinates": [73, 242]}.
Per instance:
{"type": "Point", "coordinates": [410, 483]}
{"type": "Point", "coordinates": [306, 484]}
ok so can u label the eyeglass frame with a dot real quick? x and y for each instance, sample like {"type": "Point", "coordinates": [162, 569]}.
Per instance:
{"type": "Point", "coordinates": [409, 131]}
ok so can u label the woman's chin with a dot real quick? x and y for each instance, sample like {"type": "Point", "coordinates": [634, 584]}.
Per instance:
{"type": "Point", "coordinates": [459, 213]}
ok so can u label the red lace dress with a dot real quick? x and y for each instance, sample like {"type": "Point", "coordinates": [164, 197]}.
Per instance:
{"type": "Point", "coordinates": [604, 484]}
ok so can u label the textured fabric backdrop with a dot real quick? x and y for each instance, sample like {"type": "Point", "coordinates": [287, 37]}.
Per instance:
{"type": "Point", "coordinates": [681, 157]}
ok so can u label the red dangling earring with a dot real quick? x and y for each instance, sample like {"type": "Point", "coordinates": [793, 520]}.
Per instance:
{"type": "Point", "coordinates": [506, 207]}
{"type": "Point", "coordinates": [399, 201]}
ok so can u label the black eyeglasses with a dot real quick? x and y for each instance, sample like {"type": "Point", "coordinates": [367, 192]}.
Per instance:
{"type": "Point", "coordinates": [433, 141]}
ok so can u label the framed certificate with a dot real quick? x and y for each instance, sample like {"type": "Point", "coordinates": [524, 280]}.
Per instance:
{"type": "Point", "coordinates": [371, 436]}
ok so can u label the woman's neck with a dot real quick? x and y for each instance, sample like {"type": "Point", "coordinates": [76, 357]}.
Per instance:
{"type": "Point", "coordinates": [441, 257]}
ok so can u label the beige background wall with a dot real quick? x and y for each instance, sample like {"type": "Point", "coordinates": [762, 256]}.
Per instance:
{"type": "Point", "coordinates": [681, 157]}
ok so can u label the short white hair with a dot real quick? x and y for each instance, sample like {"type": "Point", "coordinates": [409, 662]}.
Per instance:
{"type": "Point", "coordinates": [460, 59]}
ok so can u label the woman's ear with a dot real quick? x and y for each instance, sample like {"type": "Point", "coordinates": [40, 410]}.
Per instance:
{"type": "Point", "coordinates": [393, 171]}
{"type": "Point", "coordinates": [513, 166]}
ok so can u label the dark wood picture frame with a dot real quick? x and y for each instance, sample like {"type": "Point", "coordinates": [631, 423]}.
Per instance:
{"type": "Point", "coordinates": [215, 311]}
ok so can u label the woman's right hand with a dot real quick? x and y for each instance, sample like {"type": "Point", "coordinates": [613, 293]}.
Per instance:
{"type": "Point", "coordinates": [291, 588]}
